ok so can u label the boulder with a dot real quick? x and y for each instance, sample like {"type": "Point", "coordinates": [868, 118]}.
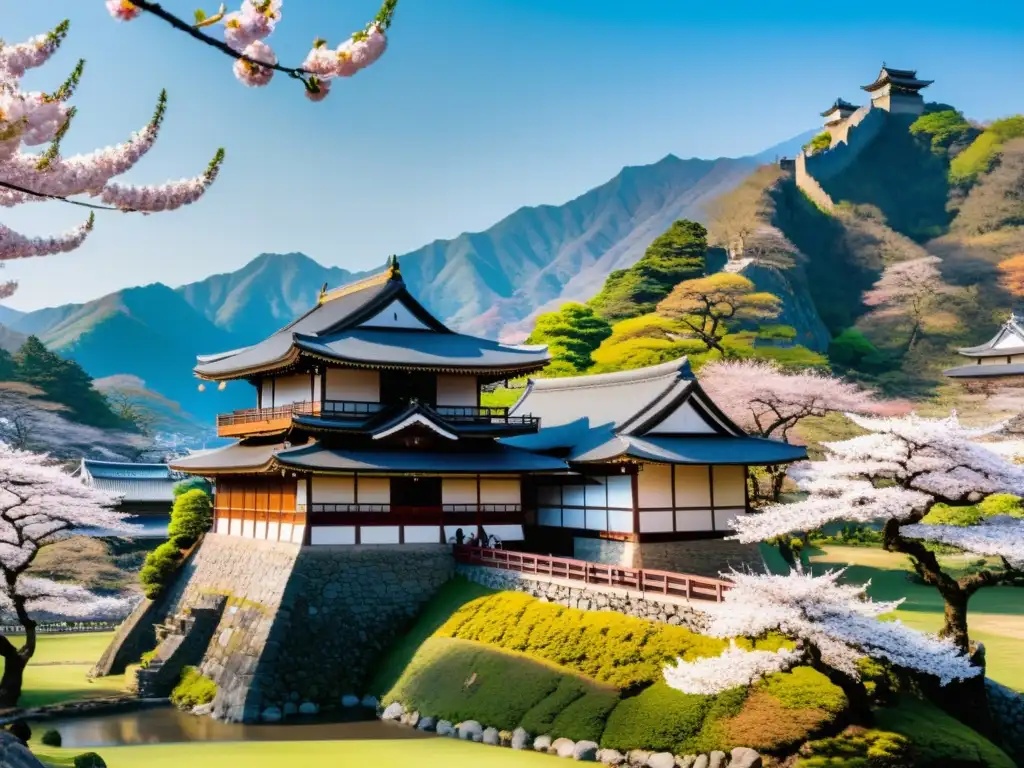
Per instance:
{"type": "Point", "coordinates": [14, 754]}
{"type": "Point", "coordinates": [427, 723]}
{"type": "Point", "coordinates": [542, 744]}
{"type": "Point", "coordinates": [610, 757]}
{"type": "Point", "coordinates": [444, 728]}
{"type": "Point", "coordinates": [202, 710]}
{"type": "Point", "coordinates": [491, 737]}
{"type": "Point", "coordinates": [585, 751]}
{"type": "Point", "coordinates": [745, 757]}
{"type": "Point", "coordinates": [471, 730]}
{"type": "Point", "coordinates": [393, 711]}
{"type": "Point", "coordinates": [686, 761]}
{"type": "Point", "coordinates": [562, 747]}
{"type": "Point", "coordinates": [637, 757]}
{"type": "Point", "coordinates": [370, 702]}
{"type": "Point", "coordinates": [271, 715]}
{"type": "Point", "coordinates": [718, 760]}
{"type": "Point", "coordinates": [412, 719]}
{"type": "Point", "coordinates": [661, 760]}
{"type": "Point", "coordinates": [308, 708]}
{"type": "Point", "coordinates": [521, 739]}
{"type": "Point", "coordinates": [290, 708]}
{"type": "Point", "coordinates": [701, 761]}
{"type": "Point", "coordinates": [351, 700]}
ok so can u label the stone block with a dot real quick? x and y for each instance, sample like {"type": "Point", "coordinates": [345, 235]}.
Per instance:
{"type": "Point", "coordinates": [491, 737]}
{"type": "Point", "coordinates": [610, 757]}
{"type": "Point", "coordinates": [585, 751]}
{"type": "Point", "coordinates": [717, 760]}
{"type": "Point", "coordinates": [521, 739]}
{"type": "Point", "coordinates": [542, 744]}
{"type": "Point", "coordinates": [744, 757]}
{"type": "Point", "coordinates": [661, 760]}
{"type": "Point", "coordinates": [562, 747]}
{"type": "Point", "coordinates": [471, 730]}
{"type": "Point", "coordinates": [393, 711]}
{"type": "Point", "coordinates": [427, 723]}
{"type": "Point", "coordinates": [444, 728]}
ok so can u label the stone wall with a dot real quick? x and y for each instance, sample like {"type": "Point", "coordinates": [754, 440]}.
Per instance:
{"type": "Point", "coordinates": [678, 612]}
{"type": "Point", "coordinates": [703, 557]}
{"type": "Point", "coordinates": [1008, 714]}
{"type": "Point", "coordinates": [606, 552]}
{"type": "Point", "coordinates": [302, 625]}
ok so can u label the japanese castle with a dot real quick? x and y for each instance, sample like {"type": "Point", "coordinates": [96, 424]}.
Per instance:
{"type": "Point", "coordinates": [369, 429]}
{"type": "Point", "coordinates": [1000, 356]}
{"type": "Point", "coordinates": [141, 489]}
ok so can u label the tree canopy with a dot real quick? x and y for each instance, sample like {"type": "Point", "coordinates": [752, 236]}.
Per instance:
{"type": "Point", "coordinates": [677, 254]}
{"type": "Point", "coordinates": [572, 333]}
{"type": "Point", "coordinates": [944, 130]}
{"type": "Point", "coordinates": [707, 305]}
{"type": "Point", "coordinates": [1011, 275]}
{"type": "Point", "coordinates": [979, 157]}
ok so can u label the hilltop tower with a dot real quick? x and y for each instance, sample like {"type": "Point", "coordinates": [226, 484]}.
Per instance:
{"type": "Point", "coordinates": [897, 91]}
{"type": "Point", "coordinates": [838, 112]}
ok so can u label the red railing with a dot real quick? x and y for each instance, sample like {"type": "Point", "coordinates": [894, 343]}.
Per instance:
{"type": "Point", "coordinates": [256, 415]}
{"type": "Point", "coordinates": [598, 574]}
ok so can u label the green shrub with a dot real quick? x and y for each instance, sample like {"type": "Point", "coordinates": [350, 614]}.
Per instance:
{"type": "Point", "coordinates": [659, 718]}
{"type": "Point", "coordinates": [585, 718]}
{"type": "Point", "coordinates": [608, 647]}
{"type": "Point", "coordinates": [996, 504]}
{"type": "Point", "coordinates": [191, 484]}
{"type": "Point", "coordinates": [850, 348]}
{"type": "Point", "coordinates": [939, 740]}
{"type": "Point", "coordinates": [856, 748]}
{"type": "Point", "coordinates": [982, 152]}
{"type": "Point", "coordinates": [942, 129]}
{"type": "Point", "coordinates": [193, 689]}
{"type": "Point", "coordinates": [159, 568]}
{"type": "Point", "coordinates": [51, 738]}
{"type": "Point", "coordinates": [459, 680]}
{"type": "Point", "coordinates": [541, 716]}
{"type": "Point", "coordinates": [89, 760]}
{"type": "Point", "coordinates": [804, 688]}
{"type": "Point", "coordinates": [191, 517]}
{"type": "Point", "coordinates": [819, 143]}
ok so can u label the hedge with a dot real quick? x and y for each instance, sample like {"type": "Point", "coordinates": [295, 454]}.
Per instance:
{"type": "Point", "coordinates": [193, 689]}
{"type": "Point", "coordinates": [857, 748]}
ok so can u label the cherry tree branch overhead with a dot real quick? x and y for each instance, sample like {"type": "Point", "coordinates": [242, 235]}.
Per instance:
{"type": "Point", "coordinates": [255, 61]}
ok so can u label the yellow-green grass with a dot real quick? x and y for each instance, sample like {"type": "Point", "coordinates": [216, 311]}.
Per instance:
{"type": "Point", "coordinates": [996, 616]}
{"type": "Point", "coordinates": [401, 753]}
{"type": "Point", "coordinates": [57, 672]}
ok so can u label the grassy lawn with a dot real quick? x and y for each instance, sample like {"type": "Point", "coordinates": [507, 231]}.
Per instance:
{"type": "Point", "coordinates": [996, 615]}
{"type": "Point", "coordinates": [58, 670]}
{"type": "Point", "coordinates": [427, 753]}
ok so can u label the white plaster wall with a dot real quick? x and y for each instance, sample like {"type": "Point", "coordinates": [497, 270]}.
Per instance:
{"type": "Point", "coordinates": [333, 490]}
{"type": "Point", "coordinates": [383, 534]}
{"type": "Point", "coordinates": [290, 389]}
{"type": "Point", "coordinates": [693, 519]}
{"type": "Point", "coordinates": [594, 495]}
{"type": "Point", "coordinates": [654, 486]}
{"type": "Point", "coordinates": [550, 516]}
{"type": "Point", "coordinates": [458, 490]}
{"type": "Point", "coordinates": [453, 389]}
{"type": "Point", "coordinates": [353, 384]}
{"type": "Point", "coordinates": [332, 535]}
{"type": "Point", "coordinates": [300, 493]}
{"type": "Point", "coordinates": [500, 491]}
{"type": "Point", "coordinates": [574, 518]}
{"type": "Point", "coordinates": [620, 491]}
{"type": "Point", "coordinates": [395, 315]}
{"type": "Point", "coordinates": [422, 534]}
{"type": "Point", "coordinates": [723, 516]}
{"type": "Point", "coordinates": [693, 486]}
{"type": "Point", "coordinates": [505, 532]}
{"type": "Point", "coordinates": [621, 522]}
{"type": "Point", "coordinates": [273, 531]}
{"type": "Point", "coordinates": [684, 420]}
{"type": "Point", "coordinates": [374, 490]}
{"type": "Point", "coordinates": [993, 360]}
{"type": "Point", "coordinates": [730, 486]}
{"type": "Point", "coordinates": [655, 522]}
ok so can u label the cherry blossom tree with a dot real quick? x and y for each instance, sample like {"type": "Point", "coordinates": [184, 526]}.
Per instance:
{"type": "Point", "coordinates": [246, 30]}
{"type": "Point", "coordinates": [896, 474]}
{"type": "Point", "coordinates": [40, 504]}
{"type": "Point", "coordinates": [767, 401]}
{"type": "Point", "coordinates": [909, 289]}
{"type": "Point", "coordinates": [31, 119]}
{"type": "Point", "coordinates": [835, 625]}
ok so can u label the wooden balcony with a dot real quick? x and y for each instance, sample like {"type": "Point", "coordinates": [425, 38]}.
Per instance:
{"type": "Point", "coordinates": [256, 420]}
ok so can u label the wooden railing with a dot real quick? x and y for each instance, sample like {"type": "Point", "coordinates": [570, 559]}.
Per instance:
{"type": "Point", "coordinates": [260, 415]}
{"type": "Point", "coordinates": [597, 574]}
{"type": "Point", "coordinates": [318, 507]}
{"type": "Point", "coordinates": [479, 414]}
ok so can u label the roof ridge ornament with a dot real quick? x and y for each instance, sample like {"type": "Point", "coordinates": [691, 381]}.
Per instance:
{"type": "Point", "coordinates": [394, 272]}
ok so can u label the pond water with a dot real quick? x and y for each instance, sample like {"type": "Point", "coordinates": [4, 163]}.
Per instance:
{"type": "Point", "coordinates": [166, 725]}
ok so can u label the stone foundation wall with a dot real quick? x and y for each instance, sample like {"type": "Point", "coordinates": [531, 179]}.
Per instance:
{"type": "Point", "coordinates": [1007, 708]}
{"type": "Point", "coordinates": [624, 553]}
{"type": "Point", "coordinates": [704, 557]}
{"type": "Point", "coordinates": [673, 611]}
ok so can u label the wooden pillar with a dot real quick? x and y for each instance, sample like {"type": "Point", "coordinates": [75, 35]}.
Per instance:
{"type": "Point", "coordinates": [273, 391]}
{"type": "Point", "coordinates": [746, 489]}
{"type": "Point", "coordinates": [635, 483]}
{"type": "Point", "coordinates": [711, 493]}
{"type": "Point", "coordinates": [355, 502]}
{"type": "Point", "coordinates": [672, 479]}
{"type": "Point", "coordinates": [307, 532]}
{"type": "Point", "coordinates": [479, 512]}
{"type": "Point", "coordinates": [312, 385]}
{"type": "Point", "coordinates": [323, 389]}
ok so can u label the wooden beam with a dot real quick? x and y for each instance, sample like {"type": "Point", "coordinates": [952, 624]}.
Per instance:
{"type": "Point", "coordinates": [479, 513]}
{"type": "Point", "coordinates": [635, 483]}
{"type": "Point", "coordinates": [672, 478]}
{"type": "Point", "coordinates": [711, 493]}
{"type": "Point", "coordinates": [307, 531]}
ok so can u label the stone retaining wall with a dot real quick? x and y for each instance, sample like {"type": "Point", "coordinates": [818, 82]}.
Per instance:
{"type": "Point", "coordinates": [1007, 708]}
{"type": "Point", "coordinates": [302, 625]}
{"type": "Point", "coordinates": [668, 610]}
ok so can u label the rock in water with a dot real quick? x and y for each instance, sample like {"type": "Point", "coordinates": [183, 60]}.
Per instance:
{"type": "Point", "coordinates": [521, 739]}
{"type": "Point", "coordinates": [585, 750]}
{"type": "Point", "coordinates": [563, 747]}
{"type": "Point", "coordinates": [393, 711]}
{"type": "Point", "coordinates": [745, 757]}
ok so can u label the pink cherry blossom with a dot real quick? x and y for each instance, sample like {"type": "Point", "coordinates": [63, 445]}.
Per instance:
{"type": "Point", "coordinates": [370, 48]}
{"type": "Point", "coordinates": [321, 61]}
{"type": "Point", "coordinates": [16, 246]}
{"type": "Point", "coordinates": [323, 89]}
{"type": "Point", "coordinates": [123, 10]}
{"type": "Point", "coordinates": [255, 75]}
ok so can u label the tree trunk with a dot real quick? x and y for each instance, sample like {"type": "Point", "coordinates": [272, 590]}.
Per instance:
{"type": "Point", "coordinates": [14, 673]}
{"type": "Point", "coordinates": [778, 476]}
{"type": "Point", "coordinates": [955, 625]}
{"type": "Point", "coordinates": [856, 693]}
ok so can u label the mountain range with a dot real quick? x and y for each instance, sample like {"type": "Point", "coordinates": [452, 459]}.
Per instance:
{"type": "Point", "coordinates": [490, 283]}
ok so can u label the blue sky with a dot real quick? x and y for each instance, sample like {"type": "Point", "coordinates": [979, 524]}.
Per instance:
{"type": "Point", "coordinates": [478, 107]}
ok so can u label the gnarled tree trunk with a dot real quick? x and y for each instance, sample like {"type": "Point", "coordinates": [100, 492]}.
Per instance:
{"type": "Point", "coordinates": [16, 659]}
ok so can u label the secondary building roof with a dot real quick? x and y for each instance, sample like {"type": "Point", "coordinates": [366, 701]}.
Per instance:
{"type": "Point", "coordinates": [657, 414]}
{"type": "Point", "coordinates": [373, 323]}
{"type": "Point", "coordinates": [994, 358]}
{"type": "Point", "coordinates": [131, 482]}
{"type": "Point", "coordinates": [902, 79]}
{"type": "Point", "coordinates": [840, 105]}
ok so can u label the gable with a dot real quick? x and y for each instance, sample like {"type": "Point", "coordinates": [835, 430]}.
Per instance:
{"type": "Point", "coordinates": [686, 419]}
{"type": "Point", "coordinates": [416, 419]}
{"type": "Point", "coordinates": [1008, 340]}
{"type": "Point", "coordinates": [395, 315]}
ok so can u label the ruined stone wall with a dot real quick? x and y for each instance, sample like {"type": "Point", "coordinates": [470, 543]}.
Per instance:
{"type": "Point", "coordinates": [668, 610]}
